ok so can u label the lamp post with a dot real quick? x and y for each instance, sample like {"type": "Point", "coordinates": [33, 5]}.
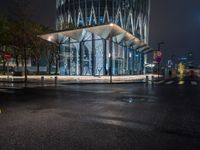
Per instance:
{"type": "Point", "coordinates": [159, 59]}
{"type": "Point", "coordinates": [110, 57]}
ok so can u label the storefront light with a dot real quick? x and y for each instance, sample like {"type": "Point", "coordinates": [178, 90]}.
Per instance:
{"type": "Point", "coordinates": [50, 38]}
{"type": "Point", "coordinates": [130, 54]}
{"type": "Point", "coordinates": [109, 55]}
{"type": "Point", "coordinates": [111, 24]}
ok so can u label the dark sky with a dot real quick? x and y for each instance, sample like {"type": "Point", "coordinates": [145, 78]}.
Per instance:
{"type": "Point", "coordinates": [175, 22]}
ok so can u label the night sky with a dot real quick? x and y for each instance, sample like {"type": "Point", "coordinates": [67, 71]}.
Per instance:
{"type": "Point", "coordinates": [175, 22]}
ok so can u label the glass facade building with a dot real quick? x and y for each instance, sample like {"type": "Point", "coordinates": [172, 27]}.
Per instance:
{"type": "Point", "coordinates": [101, 37]}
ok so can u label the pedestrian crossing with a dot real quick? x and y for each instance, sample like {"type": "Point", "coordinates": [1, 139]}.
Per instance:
{"type": "Point", "coordinates": [178, 82]}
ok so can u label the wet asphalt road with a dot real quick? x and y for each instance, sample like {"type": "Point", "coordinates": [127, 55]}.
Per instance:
{"type": "Point", "coordinates": [164, 116]}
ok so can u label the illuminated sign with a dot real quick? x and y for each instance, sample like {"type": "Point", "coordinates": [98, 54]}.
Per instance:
{"type": "Point", "coordinates": [7, 56]}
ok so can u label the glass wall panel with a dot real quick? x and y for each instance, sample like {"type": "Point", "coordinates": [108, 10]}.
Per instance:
{"type": "Point", "coordinates": [99, 48]}
{"type": "Point", "coordinates": [74, 58]}
{"type": "Point", "coordinates": [87, 58]}
{"type": "Point", "coordinates": [93, 57]}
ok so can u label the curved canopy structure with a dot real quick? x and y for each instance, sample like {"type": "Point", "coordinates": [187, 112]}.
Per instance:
{"type": "Point", "coordinates": [118, 35]}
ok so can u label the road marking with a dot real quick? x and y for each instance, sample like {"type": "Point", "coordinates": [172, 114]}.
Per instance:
{"type": "Point", "coordinates": [193, 83]}
{"type": "Point", "coordinates": [169, 82]}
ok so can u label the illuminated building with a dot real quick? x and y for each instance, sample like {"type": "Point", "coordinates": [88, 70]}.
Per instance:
{"type": "Point", "coordinates": [101, 37]}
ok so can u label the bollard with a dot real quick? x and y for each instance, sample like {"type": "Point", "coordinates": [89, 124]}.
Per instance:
{"type": "Point", "coordinates": [152, 79]}
{"type": "Point", "coordinates": [42, 80]}
{"type": "Point", "coordinates": [56, 79]}
{"type": "Point", "coordinates": [147, 79]}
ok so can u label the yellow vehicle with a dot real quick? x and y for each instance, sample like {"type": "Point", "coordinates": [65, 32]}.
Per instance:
{"type": "Point", "coordinates": [181, 69]}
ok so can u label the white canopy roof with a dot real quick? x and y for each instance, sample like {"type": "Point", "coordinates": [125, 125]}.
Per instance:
{"type": "Point", "coordinates": [107, 31]}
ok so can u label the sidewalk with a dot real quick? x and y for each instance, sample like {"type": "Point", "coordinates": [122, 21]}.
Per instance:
{"type": "Point", "coordinates": [76, 79]}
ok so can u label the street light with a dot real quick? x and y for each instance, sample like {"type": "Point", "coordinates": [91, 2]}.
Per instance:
{"type": "Point", "coordinates": [110, 59]}
{"type": "Point", "coordinates": [159, 46]}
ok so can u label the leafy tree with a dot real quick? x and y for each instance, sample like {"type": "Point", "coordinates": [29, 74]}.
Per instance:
{"type": "Point", "coordinates": [4, 29]}
{"type": "Point", "coordinates": [21, 14]}
{"type": "Point", "coordinates": [17, 37]}
{"type": "Point", "coordinates": [37, 44]}
{"type": "Point", "coordinates": [51, 51]}
{"type": "Point", "coordinates": [20, 36]}
{"type": "Point", "coordinates": [4, 38]}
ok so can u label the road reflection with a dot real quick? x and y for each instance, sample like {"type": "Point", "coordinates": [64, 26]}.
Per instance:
{"type": "Point", "coordinates": [181, 80]}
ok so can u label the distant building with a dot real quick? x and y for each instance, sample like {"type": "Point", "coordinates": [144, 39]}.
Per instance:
{"type": "Point", "coordinates": [187, 60]}
{"type": "Point", "coordinates": [190, 60]}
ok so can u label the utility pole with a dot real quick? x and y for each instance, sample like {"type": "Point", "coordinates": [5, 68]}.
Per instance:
{"type": "Point", "coordinates": [159, 50]}
{"type": "Point", "coordinates": [111, 61]}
